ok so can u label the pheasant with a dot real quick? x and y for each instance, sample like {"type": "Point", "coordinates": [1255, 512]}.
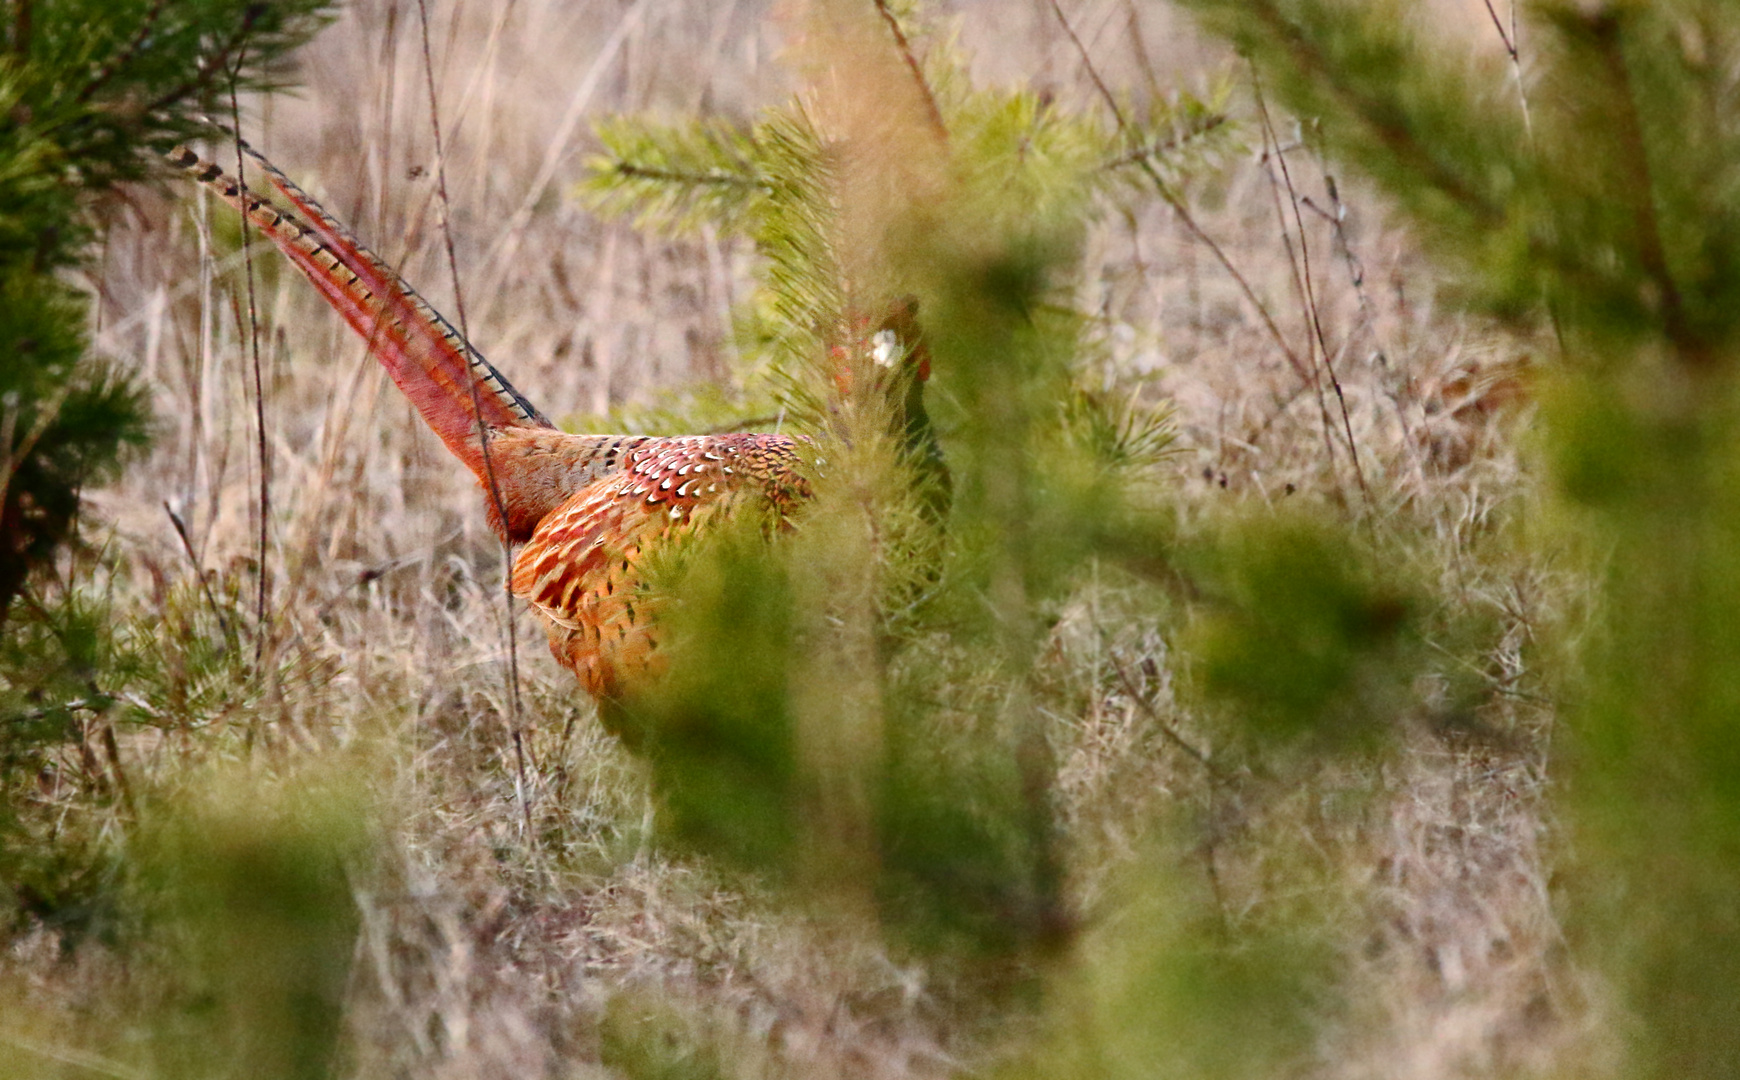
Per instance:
{"type": "Point", "coordinates": [585, 510]}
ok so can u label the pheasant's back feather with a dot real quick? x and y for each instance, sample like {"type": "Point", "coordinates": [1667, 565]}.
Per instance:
{"type": "Point", "coordinates": [584, 567]}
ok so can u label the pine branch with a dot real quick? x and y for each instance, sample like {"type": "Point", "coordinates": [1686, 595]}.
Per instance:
{"type": "Point", "coordinates": [211, 65]}
{"type": "Point", "coordinates": [633, 171]}
{"type": "Point", "coordinates": [126, 54]}
{"type": "Point", "coordinates": [1198, 130]}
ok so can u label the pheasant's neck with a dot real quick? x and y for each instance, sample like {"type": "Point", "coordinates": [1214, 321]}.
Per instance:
{"type": "Point", "coordinates": [532, 471]}
{"type": "Point", "coordinates": [922, 449]}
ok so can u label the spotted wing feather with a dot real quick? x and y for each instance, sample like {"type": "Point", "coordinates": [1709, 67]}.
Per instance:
{"type": "Point", "coordinates": [584, 568]}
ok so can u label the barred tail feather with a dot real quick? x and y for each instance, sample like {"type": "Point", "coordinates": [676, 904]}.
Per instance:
{"type": "Point", "coordinates": [452, 386]}
{"type": "Point", "coordinates": [341, 240]}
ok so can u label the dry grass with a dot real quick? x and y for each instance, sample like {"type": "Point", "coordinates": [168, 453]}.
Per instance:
{"type": "Point", "coordinates": [488, 951]}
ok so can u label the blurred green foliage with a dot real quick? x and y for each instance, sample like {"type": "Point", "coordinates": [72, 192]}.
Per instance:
{"type": "Point", "coordinates": [643, 1038]}
{"type": "Point", "coordinates": [1299, 631]}
{"type": "Point", "coordinates": [719, 733]}
{"type": "Point", "coordinates": [1164, 988]}
{"type": "Point", "coordinates": [1603, 203]}
{"type": "Point", "coordinates": [862, 711]}
{"type": "Point", "coordinates": [246, 882]}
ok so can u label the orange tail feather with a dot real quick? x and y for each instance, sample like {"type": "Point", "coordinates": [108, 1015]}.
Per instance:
{"type": "Point", "coordinates": [452, 386]}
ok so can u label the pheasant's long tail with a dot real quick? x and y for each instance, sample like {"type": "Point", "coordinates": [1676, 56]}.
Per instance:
{"type": "Point", "coordinates": [451, 384]}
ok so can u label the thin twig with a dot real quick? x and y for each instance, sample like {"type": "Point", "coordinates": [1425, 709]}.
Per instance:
{"type": "Point", "coordinates": [1312, 344]}
{"type": "Point", "coordinates": [1300, 367]}
{"type": "Point", "coordinates": [514, 710]}
{"type": "Point", "coordinates": [198, 571]}
{"type": "Point", "coordinates": [21, 32]}
{"type": "Point", "coordinates": [1172, 200]}
{"type": "Point", "coordinates": [1641, 194]}
{"type": "Point", "coordinates": [1166, 729]}
{"type": "Point", "coordinates": [1336, 215]}
{"type": "Point", "coordinates": [11, 457]}
{"type": "Point", "coordinates": [1512, 48]}
{"type": "Point", "coordinates": [1093, 71]}
{"type": "Point", "coordinates": [1498, 24]}
{"type": "Point", "coordinates": [97, 702]}
{"type": "Point", "coordinates": [262, 629]}
{"type": "Point", "coordinates": [113, 749]}
{"type": "Point", "coordinates": [936, 117]}
{"type": "Point", "coordinates": [1309, 292]}
{"type": "Point", "coordinates": [1384, 123]}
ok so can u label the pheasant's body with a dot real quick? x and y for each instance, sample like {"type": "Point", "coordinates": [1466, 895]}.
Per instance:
{"type": "Point", "coordinates": [582, 566]}
{"type": "Point", "coordinates": [588, 510]}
